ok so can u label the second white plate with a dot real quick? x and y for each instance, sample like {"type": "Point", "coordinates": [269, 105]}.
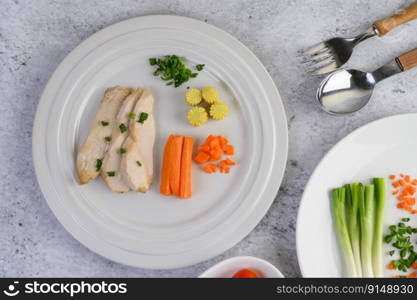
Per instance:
{"type": "Point", "coordinates": [378, 149]}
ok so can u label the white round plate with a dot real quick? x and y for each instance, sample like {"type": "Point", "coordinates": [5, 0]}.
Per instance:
{"type": "Point", "coordinates": [150, 230]}
{"type": "Point", "coordinates": [378, 149]}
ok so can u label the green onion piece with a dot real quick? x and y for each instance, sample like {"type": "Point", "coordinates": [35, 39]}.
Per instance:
{"type": "Point", "coordinates": [122, 150]}
{"type": "Point", "coordinates": [391, 253]}
{"type": "Point", "coordinates": [131, 116]}
{"type": "Point", "coordinates": [138, 163]}
{"type": "Point", "coordinates": [199, 67]}
{"type": "Point", "coordinates": [99, 163]}
{"type": "Point", "coordinates": [339, 216]}
{"type": "Point", "coordinates": [142, 117]}
{"type": "Point", "coordinates": [104, 123]}
{"type": "Point", "coordinates": [122, 127]}
{"type": "Point", "coordinates": [107, 138]}
{"type": "Point", "coordinates": [111, 173]}
{"type": "Point", "coordinates": [366, 219]}
{"type": "Point", "coordinates": [352, 213]}
{"type": "Point", "coordinates": [378, 234]}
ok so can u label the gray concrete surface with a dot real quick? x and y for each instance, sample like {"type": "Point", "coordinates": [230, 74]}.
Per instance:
{"type": "Point", "coordinates": [36, 35]}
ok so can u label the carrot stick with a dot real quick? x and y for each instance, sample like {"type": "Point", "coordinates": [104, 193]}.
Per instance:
{"type": "Point", "coordinates": [175, 168]}
{"type": "Point", "coordinates": [164, 188]}
{"type": "Point", "coordinates": [186, 160]}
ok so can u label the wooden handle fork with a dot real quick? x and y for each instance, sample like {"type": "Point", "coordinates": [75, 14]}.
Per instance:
{"type": "Point", "coordinates": [385, 25]}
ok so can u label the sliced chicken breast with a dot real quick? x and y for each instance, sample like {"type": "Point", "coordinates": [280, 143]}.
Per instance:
{"type": "Point", "coordinates": [111, 164]}
{"type": "Point", "coordinates": [137, 163]}
{"type": "Point", "coordinates": [89, 157]}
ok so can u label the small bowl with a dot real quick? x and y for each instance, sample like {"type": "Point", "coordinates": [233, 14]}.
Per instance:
{"type": "Point", "coordinates": [228, 267]}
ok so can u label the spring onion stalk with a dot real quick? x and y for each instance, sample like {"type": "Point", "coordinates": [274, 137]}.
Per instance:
{"type": "Point", "coordinates": [339, 216]}
{"type": "Point", "coordinates": [378, 226]}
{"type": "Point", "coordinates": [366, 219]}
{"type": "Point", "coordinates": [352, 206]}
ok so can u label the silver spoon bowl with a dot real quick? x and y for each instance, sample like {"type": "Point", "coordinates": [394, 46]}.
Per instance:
{"type": "Point", "coordinates": [347, 91]}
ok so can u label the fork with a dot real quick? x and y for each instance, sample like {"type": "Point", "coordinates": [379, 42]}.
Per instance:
{"type": "Point", "coordinates": [333, 53]}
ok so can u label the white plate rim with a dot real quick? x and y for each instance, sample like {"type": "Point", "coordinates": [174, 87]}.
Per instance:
{"type": "Point", "coordinates": [339, 144]}
{"type": "Point", "coordinates": [271, 188]}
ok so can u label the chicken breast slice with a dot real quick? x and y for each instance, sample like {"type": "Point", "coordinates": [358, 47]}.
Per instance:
{"type": "Point", "coordinates": [137, 163]}
{"type": "Point", "coordinates": [110, 172]}
{"type": "Point", "coordinates": [95, 146]}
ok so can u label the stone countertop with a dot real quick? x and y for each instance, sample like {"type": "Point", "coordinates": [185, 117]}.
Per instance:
{"type": "Point", "coordinates": [36, 35]}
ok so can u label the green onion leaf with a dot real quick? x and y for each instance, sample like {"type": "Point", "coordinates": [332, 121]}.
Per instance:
{"type": "Point", "coordinates": [131, 116]}
{"type": "Point", "coordinates": [99, 163]}
{"type": "Point", "coordinates": [122, 127]}
{"type": "Point", "coordinates": [107, 138]}
{"type": "Point", "coordinates": [138, 163]}
{"type": "Point", "coordinates": [104, 123]}
{"type": "Point", "coordinates": [111, 173]}
{"type": "Point", "coordinates": [142, 117]}
{"type": "Point", "coordinates": [122, 150]}
{"type": "Point", "coordinates": [199, 67]}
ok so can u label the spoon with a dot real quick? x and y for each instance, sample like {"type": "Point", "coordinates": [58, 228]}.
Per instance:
{"type": "Point", "coordinates": [347, 91]}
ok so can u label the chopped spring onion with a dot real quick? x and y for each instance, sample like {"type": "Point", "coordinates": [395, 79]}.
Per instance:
{"type": "Point", "coordinates": [142, 117]}
{"type": "Point", "coordinates": [99, 163]}
{"type": "Point", "coordinates": [122, 127]}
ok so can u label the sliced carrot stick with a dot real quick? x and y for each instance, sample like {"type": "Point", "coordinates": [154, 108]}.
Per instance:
{"type": "Point", "coordinates": [165, 188]}
{"type": "Point", "coordinates": [175, 171]}
{"type": "Point", "coordinates": [201, 157]}
{"type": "Point", "coordinates": [185, 176]}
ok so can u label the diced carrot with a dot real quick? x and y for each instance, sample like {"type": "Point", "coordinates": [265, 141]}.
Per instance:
{"type": "Point", "coordinates": [412, 275]}
{"type": "Point", "coordinates": [224, 169]}
{"type": "Point", "coordinates": [229, 149]}
{"type": "Point", "coordinates": [204, 148]}
{"type": "Point", "coordinates": [210, 168]}
{"type": "Point", "coordinates": [223, 164]}
{"type": "Point", "coordinates": [395, 192]}
{"type": "Point", "coordinates": [414, 266]}
{"type": "Point", "coordinates": [390, 267]}
{"type": "Point", "coordinates": [409, 209]}
{"type": "Point", "coordinates": [407, 178]}
{"type": "Point", "coordinates": [165, 188]}
{"type": "Point", "coordinates": [392, 177]}
{"type": "Point", "coordinates": [401, 175]}
{"type": "Point", "coordinates": [185, 174]}
{"type": "Point", "coordinates": [410, 201]}
{"type": "Point", "coordinates": [176, 164]}
{"type": "Point", "coordinates": [401, 205]}
{"type": "Point", "coordinates": [401, 182]}
{"type": "Point", "coordinates": [214, 144]}
{"type": "Point", "coordinates": [414, 211]}
{"type": "Point", "coordinates": [223, 140]}
{"type": "Point", "coordinates": [230, 162]}
{"type": "Point", "coordinates": [395, 184]}
{"type": "Point", "coordinates": [201, 157]}
{"type": "Point", "coordinates": [400, 197]}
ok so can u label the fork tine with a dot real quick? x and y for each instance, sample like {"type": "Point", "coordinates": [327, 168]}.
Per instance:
{"type": "Point", "coordinates": [329, 67]}
{"type": "Point", "coordinates": [315, 49]}
{"type": "Point", "coordinates": [318, 57]}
